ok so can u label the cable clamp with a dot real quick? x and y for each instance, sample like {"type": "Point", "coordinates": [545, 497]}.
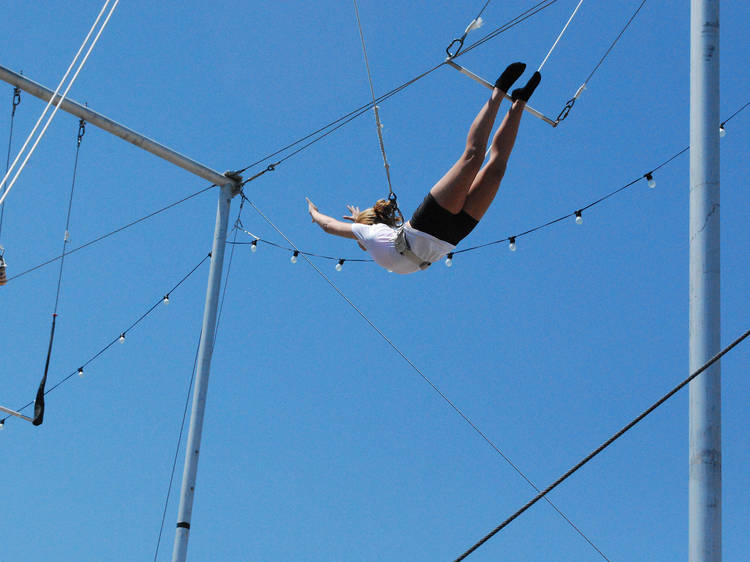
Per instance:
{"type": "Point", "coordinates": [81, 130]}
{"type": "Point", "coordinates": [459, 42]}
{"type": "Point", "coordinates": [569, 104]}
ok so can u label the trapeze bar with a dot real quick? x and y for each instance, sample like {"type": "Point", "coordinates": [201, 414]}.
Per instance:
{"type": "Point", "coordinates": [486, 84]}
{"type": "Point", "coordinates": [14, 413]}
{"type": "Point", "coordinates": [99, 120]}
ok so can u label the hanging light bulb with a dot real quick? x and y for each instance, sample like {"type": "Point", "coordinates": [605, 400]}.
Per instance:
{"type": "Point", "coordinates": [651, 181]}
{"type": "Point", "coordinates": [512, 243]}
{"type": "Point", "coordinates": [122, 337]}
{"type": "Point", "coordinates": [340, 265]}
{"type": "Point", "coordinates": [293, 259]}
{"type": "Point", "coordinates": [254, 246]}
{"type": "Point", "coordinates": [722, 131]}
{"type": "Point", "coordinates": [579, 217]}
{"type": "Point", "coordinates": [2, 424]}
{"type": "Point", "coordinates": [80, 372]}
{"type": "Point", "coordinates": [165, 300]}
{"type": "Point", "coordinates": [449, 260]}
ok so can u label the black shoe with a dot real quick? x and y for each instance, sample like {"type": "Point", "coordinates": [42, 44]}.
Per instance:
{"type": "Point", "coordinates": [524, 93]}
{"type": "Point", "coordinates": [510, 75]}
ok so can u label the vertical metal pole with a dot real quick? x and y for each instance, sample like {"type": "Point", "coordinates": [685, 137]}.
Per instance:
{"type": "Point", "coordinates": [705, 329]}
{"type": "Point", "coordinates": [205, 350]}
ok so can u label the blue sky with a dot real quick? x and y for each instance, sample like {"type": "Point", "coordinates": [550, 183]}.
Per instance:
{"type": "Point", "coordinates": [320, 442]}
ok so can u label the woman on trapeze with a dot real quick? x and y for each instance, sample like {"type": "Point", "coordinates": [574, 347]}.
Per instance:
{"type": "Point", "coordinates": [454, 205]}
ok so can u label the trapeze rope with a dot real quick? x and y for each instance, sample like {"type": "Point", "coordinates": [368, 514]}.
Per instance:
{"type": "Point", "coordinates": [560, 36]}
{"type": "Point", "coordinates": [59, 102]}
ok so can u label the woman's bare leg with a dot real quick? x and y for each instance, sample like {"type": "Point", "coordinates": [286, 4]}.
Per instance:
{"type": "Point", "coordinates": [451, 190]}
{"type": "Point", "coordinates": [486, 183]}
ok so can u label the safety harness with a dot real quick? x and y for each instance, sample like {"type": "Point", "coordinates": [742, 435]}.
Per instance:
{"type": "Point", "coordinates": [403, 248]}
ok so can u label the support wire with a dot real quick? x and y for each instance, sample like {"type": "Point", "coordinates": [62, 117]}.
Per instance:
{"type": "Point", "coordinates": [424, 377]}
{"type": "Point", "coordinates": [606, 444]}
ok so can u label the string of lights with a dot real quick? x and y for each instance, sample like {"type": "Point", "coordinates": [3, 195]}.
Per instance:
{"type": "Point", "coordinates": [511, 240]}
{"type": "Point", "coordinates": [121, 338]}
{"type": "Point", "coordinates": [606, 444]}
{"type": "Point", "coordinates": [425, 378]}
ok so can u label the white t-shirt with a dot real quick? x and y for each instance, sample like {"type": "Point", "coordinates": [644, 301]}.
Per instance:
{"type": "Point", "coordinates": [380, 241]}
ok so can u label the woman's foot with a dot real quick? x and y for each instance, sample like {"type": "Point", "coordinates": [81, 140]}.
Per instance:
{"type": "Point", "coordinates": [509, 76]}
{"type": "Point", "coordinates": [524, 93]}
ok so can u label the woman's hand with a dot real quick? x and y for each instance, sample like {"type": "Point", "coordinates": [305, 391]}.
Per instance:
{"type": "Point", "coordinates": [354, 213]}
{"type": "Point", "coordinates": [311, 208]}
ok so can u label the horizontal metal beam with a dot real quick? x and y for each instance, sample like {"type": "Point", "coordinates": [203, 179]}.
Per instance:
{"type": "Point", "coordinates": [99, 120]}
{"type": "Point", "coordinates": [14, 413]}
{"type": "Point", "coordinates": [491, 86]}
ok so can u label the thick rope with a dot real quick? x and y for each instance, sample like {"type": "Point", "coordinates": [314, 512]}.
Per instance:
{"type": "Point", "coordinates": [375, 107]}
{"type": "Point", "coordinates": [59, 102]}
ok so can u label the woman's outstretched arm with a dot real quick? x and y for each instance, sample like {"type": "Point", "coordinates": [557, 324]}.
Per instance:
{"type": "Point", "coordinates": [329, 224]}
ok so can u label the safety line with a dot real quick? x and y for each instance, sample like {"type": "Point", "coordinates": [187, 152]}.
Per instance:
{"type": "Point", "coordinates": [424, 377]}
{"type": "Point", "coordinates": [16, 101]}
{"type": "Point", "coordinates": [103, 236]}
{"type": "Point", "coordinates": [128, 329]}
{"type": "Point", "coordinates": [343, 120]}
{"type": "Point", "coordinates": [606, 444]}
{"type": "Point", "coordinates": [378, 124]}
{"type": "Point", "coordinates": [60, 101]}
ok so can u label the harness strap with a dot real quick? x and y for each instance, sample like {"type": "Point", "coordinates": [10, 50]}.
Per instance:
{"type": "Point", "coordinates": [403, 248]}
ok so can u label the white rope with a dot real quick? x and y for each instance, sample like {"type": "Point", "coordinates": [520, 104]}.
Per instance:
{"type": "Point", "coordinates": [59, 102]}
{"type": "Point", "coordinates": [560, 36]}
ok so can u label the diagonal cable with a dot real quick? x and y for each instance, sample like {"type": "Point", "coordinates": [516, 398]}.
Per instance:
{"type": "Point", "coordinates": [607, 443]}
{"type": "Point", "coordinates": [425, 378]}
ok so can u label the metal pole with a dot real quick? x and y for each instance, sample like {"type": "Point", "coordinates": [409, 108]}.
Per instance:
{"type": "Point", "coordinates": [705, 329]}
{"type": "Point", "coordinates": [205, 350]}
{"type": "Point", "coordinates": [99, 120]}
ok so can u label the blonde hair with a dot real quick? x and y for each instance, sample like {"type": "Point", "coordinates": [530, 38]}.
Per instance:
{"type": "Point", "coordinates": [383, 211]}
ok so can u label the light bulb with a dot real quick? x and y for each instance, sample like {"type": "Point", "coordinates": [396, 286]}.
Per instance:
{"type": "Point", "coordinates": [722, 131]}
{"type": "Point", "coordinates": [2, 424]}
{"type": "Point", "coordinates": [165, 300]}
{"type": "Point", "coordinates": [80, 372]}
{"type": "Point", "coordinates": [340, 265]}
{"type": "Point", "coordinates": [122, 337]}
{"type": "Point", "coordinates": [651, 180]}
{"type": "Point", "coordinates": [512, 243]}
{"type": "Point", "coordinates": [449, 260]}
{"type": "Point", "coordinates": [293, 259]}
{"type": "Point", "coordinates": [254, 246]}
{"type": "Point", "coordinates": [579, 217]}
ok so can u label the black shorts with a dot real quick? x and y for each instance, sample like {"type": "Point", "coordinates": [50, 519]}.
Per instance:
{"type": "Point", "coordinates": [433, 219]}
